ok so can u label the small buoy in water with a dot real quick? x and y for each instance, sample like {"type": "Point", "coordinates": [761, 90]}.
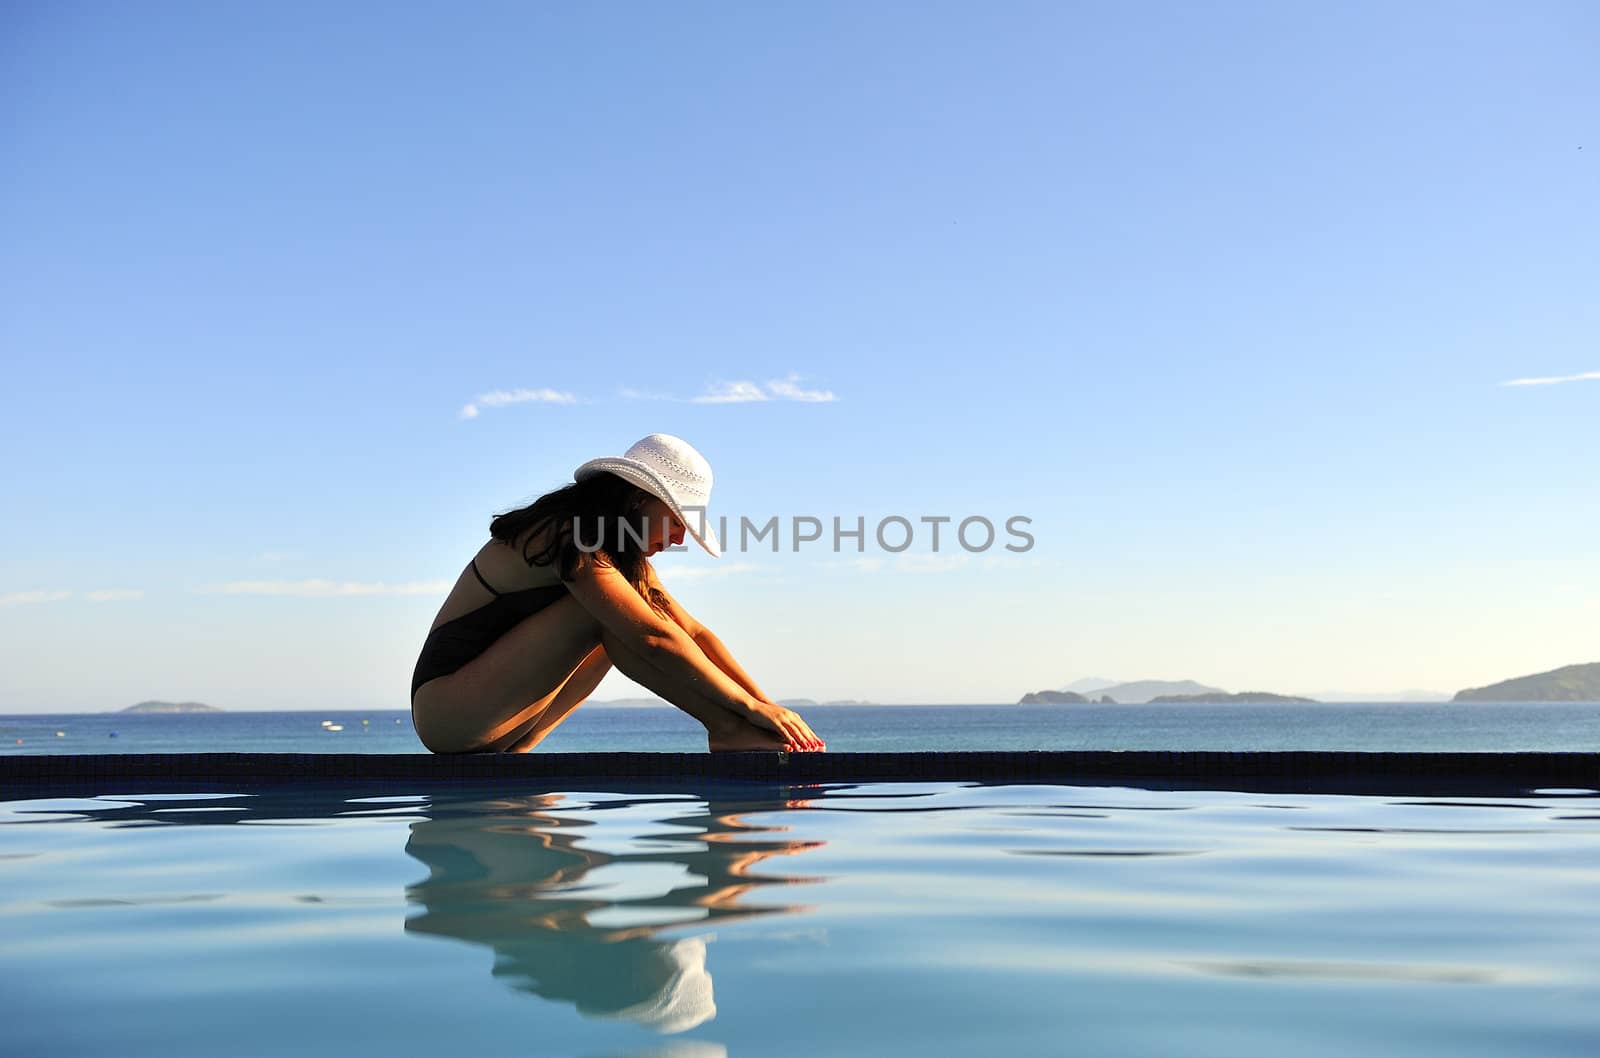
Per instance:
{"type": "Point", "coordinates": [364, 723]}
{"type": "Point", "coordinates": [19, 741]}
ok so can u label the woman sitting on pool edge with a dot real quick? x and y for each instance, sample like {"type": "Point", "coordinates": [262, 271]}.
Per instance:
{"type": "Point", "coordinates": [562, 591]}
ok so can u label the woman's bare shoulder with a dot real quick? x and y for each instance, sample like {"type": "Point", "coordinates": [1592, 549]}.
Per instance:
{"type": "Point", "coordinates": [513, 565]}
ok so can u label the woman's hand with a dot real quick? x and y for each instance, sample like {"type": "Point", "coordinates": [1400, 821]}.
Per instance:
{"type": "Point", "coordinates": [787, 723]}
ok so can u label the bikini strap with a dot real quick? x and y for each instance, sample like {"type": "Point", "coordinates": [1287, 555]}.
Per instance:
{"type": "Point", "coordinates": [485, 583]}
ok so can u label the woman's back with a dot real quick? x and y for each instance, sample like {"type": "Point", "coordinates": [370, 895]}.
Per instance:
{"type": "Point", "coordinates": [501, 569]}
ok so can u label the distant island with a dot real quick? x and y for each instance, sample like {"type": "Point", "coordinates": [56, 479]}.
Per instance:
{"type": "Point", "coordinates": [1151, 692]}
{"type": "Point", "coordinates": [1103, 692]}
{"type": "Point", "coordinates": [1571, 683]}
{"type": "Point", "coordinates": [170, 707]}
{"type": "Point", "coordinates": [1051, 698]}
{"type": "Point", "coordinates": [1138, 692]}
{"type": "Point", "coordinates": [1256, 697]}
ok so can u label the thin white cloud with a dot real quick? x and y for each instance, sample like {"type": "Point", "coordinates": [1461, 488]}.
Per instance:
{"type": "Point", "coordinates": [325, 589]}
{"type": "Point", "coordinates": [745, 391]}
{"type": "Point", "coordinates": [717, 569]}
{"type": "Point", "coordinates": [788, 389]}
{"type": "Point", "coordinates": [731, 393]}
{"type": "Point", "coordinates": [115, 595]}
{"type": "Point", "coordinates": [22, 598]}
{"type": "Point", "coordinates": [1008, 560]}
{"type": "Point", "coordinates": [1584, 377]}
{"type": "Point", "coordinates": [930, 563]}
{"type": "Point", "coordinates": [911, 563]}
{"type": "Point", "coordinates": [499, 398]}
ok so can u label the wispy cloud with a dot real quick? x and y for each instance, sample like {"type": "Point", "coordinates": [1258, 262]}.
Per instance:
{"type": "Point", "coordinates": [933, 563]}
{"type": "Point", "coordinates": [22, 598]}
{"type": "Point", "coordinates": [731, 393]}
{"type": "Point", "coordinates": [325, 589]}
{"type": "Point", "coordinates": [1584, 377]}
{"type": "Point", "coordinates": [911, 563]}
{"type": "Point", "coordinates": [499, 398]}
{"type": "Point", "coordinates": [788, 389]}
{"type": "Point", "coordinates": [115, 595]}
{"type": "Point", "coordinates": [743, 391]}
{"type": "Point", "coordinates": [719, 569]}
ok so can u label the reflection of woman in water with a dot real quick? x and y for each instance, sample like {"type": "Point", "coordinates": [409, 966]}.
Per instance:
{"type": "Point", "coordinates": [564, 590]}
{"type": "Point", "coordinates": [508, 875]}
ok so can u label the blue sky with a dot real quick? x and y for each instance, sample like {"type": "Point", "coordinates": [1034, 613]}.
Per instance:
{"type": "Point", "coordinates": [1224, 297]}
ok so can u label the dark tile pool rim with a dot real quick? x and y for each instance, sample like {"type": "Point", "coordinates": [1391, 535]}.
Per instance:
{"type": "Point", "coordinates": [1278, 771]}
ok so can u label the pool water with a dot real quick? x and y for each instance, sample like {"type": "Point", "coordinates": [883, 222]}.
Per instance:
{"type": "Point", "coordinates": [888, 919]}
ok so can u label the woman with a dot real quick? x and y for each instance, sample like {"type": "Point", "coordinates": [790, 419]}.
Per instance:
{"type": "Point", "coordinates": [562, 591]}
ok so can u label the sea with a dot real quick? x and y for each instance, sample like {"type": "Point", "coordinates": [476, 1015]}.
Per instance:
{"type": "Point", "coordinates": [732, 920]}
{"type": "Point", "coordinates": [1358, 726]}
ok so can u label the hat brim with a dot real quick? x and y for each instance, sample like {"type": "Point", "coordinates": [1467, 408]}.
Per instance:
{"type": "Point", "coordinates": [638, 474]}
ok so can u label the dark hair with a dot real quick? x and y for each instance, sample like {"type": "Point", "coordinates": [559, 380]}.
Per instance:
{"type": "Point", "coordinates": [595, 508]}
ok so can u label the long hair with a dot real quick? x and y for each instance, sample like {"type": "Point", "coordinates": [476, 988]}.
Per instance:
{"type": "Point", "coordinates": [599, 510]}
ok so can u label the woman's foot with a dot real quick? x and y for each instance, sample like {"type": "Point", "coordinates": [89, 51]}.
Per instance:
{"type": "Point", "coordinates": [742, 737]}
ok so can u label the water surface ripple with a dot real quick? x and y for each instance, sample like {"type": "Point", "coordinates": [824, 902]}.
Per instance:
{"type": "Point", "coordinates": [887, 919]}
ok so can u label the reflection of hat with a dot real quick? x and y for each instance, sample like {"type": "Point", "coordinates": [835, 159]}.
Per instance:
{"type": "Point", "coordinates": [670, 469]}
{"type": "Point", "coordinates": [680, 1049]}
{"type": "Point", "coordinates": [662, 985]}
{"type": "Point", "coordinates": [684, 999]}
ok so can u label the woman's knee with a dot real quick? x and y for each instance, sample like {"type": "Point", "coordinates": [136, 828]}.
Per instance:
{"type": "Point", "coordinates": [441, 738]}
{"type": "Point", "coordinates": [627, 660]}
{"type": "Point", "coordinates": [601, 660]}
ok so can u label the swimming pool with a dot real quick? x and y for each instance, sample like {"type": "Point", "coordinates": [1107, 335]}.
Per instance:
{"type": "Point", "coordinates": [940, 918]}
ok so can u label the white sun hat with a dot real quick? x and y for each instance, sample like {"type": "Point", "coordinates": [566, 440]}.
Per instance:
{"type": "Point", "coordinates": [669, 468]}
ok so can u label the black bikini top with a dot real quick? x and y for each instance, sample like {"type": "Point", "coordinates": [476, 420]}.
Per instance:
{"type": "Point", "coordinates": [460, 639]}
{"type": "Point", "coordinates": [544, 589]}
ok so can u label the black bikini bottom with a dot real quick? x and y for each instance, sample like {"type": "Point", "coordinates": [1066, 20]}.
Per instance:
{"type": "Point", "coordinates": [458, 641]}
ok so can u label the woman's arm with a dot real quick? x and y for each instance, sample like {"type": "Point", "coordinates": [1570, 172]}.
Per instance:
{"type": "Point", "coordinates": [767, 713]}
{"type": "Point", "coordinates": [685, 669]}
{"type": "Point", "coordinates": [706, 640]}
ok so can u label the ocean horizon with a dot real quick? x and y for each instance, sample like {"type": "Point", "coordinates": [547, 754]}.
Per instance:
{"type": "Point", "coordinates": [1236, 727]}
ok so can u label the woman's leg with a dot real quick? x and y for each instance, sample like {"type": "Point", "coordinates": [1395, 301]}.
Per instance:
{"type": "Point", "coordinates": [725, 731]}
{"type": "Point", "coordinates": [498, 697]}
{"type": "Point", "coordinates": [584, 679]}
{"type": "Point", "coordinates": [509, 685]}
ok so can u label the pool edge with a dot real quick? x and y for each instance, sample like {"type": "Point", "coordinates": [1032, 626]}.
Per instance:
{"type": "Point", "coordinates": [1285, 771]}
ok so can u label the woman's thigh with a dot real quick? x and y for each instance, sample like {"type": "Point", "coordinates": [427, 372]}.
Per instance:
{"type": "Point", "coordinates": [515, 677]}
{"type": "Point", "coordinates": [571, 694]}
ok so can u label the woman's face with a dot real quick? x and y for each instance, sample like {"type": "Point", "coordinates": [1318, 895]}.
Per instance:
{"type": "Point", "coordinates": [663, 529]}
